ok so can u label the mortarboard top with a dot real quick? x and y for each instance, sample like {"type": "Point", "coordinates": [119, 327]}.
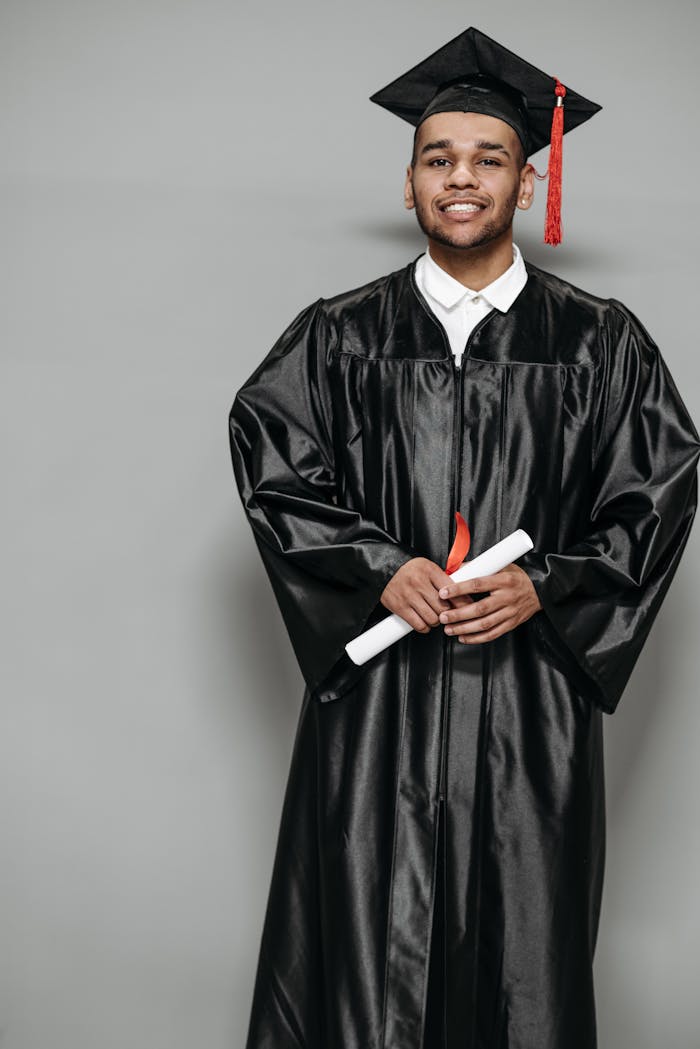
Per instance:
{"type": "Point", "coordinates": [474, 74]}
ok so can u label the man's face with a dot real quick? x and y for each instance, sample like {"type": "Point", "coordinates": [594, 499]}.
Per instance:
{"type": "Point", "coordinates": [467, 178]}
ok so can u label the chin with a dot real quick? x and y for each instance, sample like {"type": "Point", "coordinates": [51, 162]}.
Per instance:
{"type": "Point", "coordinates": [472, 239]}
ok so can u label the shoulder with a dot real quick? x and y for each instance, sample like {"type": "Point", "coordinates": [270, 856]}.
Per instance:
{"type": "Point", "coordinates": [364, 313]}
{"type": "Point", "coordinates": [612, 319]}
{"type": "Point", "coordinates": [356, 298]}
{"type": "Point", "coordinates": [363, 307]}
{"type": "Point", "coordinates": [367, 304]}
{"type": "Point", "coordinates": [564, 292]}
{"type": "Point", "coordinates": [623, 353]}
{"type": "Point", "coordinates": [359, 317]}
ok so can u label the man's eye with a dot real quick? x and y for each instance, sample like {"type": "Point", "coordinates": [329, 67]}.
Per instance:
{"type": "Point", "coordinates": [438, 161]}
{"type": "Point", "coordinates": [489, 161]}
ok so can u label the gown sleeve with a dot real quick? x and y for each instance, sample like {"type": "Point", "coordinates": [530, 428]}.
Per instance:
{"type": "Point", "coordinates": [327, 564]}
{"type": "Point", "coordinates": [601, 595]}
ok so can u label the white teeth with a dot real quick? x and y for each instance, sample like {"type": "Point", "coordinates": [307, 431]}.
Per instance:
{"type": "Point", "coordinates": [463, 207]}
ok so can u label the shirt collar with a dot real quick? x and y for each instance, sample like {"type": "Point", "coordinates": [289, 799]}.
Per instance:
{"type": "Point", "coordinates": [500, 293]}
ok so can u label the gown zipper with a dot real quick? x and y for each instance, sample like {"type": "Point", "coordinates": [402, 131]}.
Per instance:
{"type": "Point", "coordinates": [458, 376]}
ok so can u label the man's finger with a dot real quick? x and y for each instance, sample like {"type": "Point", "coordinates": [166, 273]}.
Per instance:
{"type": "Point", "coordinates": [466, 601]}
{"type": "Point", "coordinates": [473, 609]}
{"type": "Point", "coordinates": [478, 626]}
{"type": "Point", "coordinates": [487, 635]}
{"type": "Point", "coordinates": [475, 586]}
{"type": "Point", "coordinates": [436, 603]}
{"type": "Point", "coordinates": [422, 608]}
{"type": "Point", "coordinates": [438, 578]}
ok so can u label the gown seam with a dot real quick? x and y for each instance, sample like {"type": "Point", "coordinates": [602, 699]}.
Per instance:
{"type": "Point", "coordinates": [431, 925]}
{"type": "Point", "coordinates": [413, 461]}
{"type": "Point", "coordinates": [536, 364]}
{"type": "Point", "coordinates": [320, 946]}
{"type": "Point", "coordinates": [479, 360]}
{"type": "Point", "coordinates": [479, 854]}
{"type": "Point", "coordinates": [389, 360]}
{"type": "Point", "coordinates": [505, 381]}
{"type": "Point", "coordinates": [285, 1008]}
{"type": "Point", "coordinates": [390, 924]}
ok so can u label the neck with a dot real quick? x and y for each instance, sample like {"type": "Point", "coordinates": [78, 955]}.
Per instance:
{"type": "Point", "coordinates": [475, 267]}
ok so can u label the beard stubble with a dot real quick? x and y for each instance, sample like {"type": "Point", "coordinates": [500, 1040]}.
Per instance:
{"type": "Point", "coordinates": [493, 229]}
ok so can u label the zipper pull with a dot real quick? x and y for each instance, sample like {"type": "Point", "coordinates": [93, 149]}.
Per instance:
{"type": "Point", "coordinates": [458, 360]}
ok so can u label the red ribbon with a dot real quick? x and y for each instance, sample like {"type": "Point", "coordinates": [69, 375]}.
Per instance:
{"type": "Point", "coordinates": [552, 228]}
{"type": "Point", "coordinates": [460, 546]}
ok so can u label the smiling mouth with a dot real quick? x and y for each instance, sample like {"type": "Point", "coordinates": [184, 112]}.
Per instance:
{"type": "Point", "coordinates": [465, 207]}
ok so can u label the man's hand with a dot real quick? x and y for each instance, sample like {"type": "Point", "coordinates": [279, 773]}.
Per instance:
{"type": "Point", "coordinates": [512, 599]}
{"type": "Point", "coordinates": [412, 592]}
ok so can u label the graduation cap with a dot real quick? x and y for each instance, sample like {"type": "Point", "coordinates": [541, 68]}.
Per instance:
{"type": "Point", "coordinates": [474, 74]}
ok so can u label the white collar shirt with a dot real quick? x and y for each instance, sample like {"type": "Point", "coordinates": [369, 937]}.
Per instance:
{"type": "Point", "coordinates": [458, 308]}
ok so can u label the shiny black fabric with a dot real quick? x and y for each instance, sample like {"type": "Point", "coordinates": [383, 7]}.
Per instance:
{"type": "Point", "coordinates": [353, 442]}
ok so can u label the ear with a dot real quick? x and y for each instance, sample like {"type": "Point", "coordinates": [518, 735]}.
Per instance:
{"type": "Point", "coordinates": [526, 187]}
{"type": "Point", "coordinates": [408, 198]}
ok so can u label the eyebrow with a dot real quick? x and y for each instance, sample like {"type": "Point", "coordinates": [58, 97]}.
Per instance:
{"type": "Point", "coordinates": [447, 143]}
{"type": "Point", "coordinates": [440, 143]}
{"type": "Point", "coordinates": [492, 147]}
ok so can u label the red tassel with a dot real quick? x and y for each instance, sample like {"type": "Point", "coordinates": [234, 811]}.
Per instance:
{"type": "Point", "coordinates": [552, 226]}
{"type": "Point", "coordinates": [460, 546]}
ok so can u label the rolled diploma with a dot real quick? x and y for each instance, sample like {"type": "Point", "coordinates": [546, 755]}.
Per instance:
{"type": "Point", "coordinates": [373, 641]}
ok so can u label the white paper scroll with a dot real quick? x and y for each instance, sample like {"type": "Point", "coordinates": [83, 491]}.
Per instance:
{"type": "Point", "coordinates": [385, 633]}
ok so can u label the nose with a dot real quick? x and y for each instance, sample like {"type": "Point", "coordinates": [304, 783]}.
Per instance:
{"type": "Point", "coordinates": [462, 176]}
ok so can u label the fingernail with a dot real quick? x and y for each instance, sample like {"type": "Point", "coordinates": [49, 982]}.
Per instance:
{"type": "Point", "coordinates": [444, 592]}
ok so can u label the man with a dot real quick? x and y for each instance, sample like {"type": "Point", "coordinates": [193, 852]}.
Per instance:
{"type": "Point", "coordinates": [439, 868]}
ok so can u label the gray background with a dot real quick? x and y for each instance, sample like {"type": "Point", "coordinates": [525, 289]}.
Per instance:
{"type": "Point", "coordinates": [178, 180]}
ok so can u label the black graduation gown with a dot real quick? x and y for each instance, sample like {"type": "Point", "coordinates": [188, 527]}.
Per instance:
{"type": "Point", "coordinates": [353, 443]}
